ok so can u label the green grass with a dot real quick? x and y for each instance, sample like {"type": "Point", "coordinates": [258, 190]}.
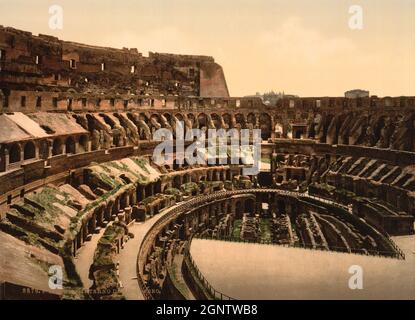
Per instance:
{"type": "Point", "coordinates": [265, 230]}
{"type": "Point", "coordinates": [172, 191]}
{"type": "Point", "coordinates": [190, 187]}
{"type": "Point", "coordinates": [142, 163]}
{"type": "Point", "coordinates": [46, 198]}
{"type": "Point", "coordinates": [236, 231]}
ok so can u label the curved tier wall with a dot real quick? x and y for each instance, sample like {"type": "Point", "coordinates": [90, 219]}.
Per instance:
{"type": "Point", "coordinates": [319, 224]}
{"type": "Point", "coordinates": [76, 132]}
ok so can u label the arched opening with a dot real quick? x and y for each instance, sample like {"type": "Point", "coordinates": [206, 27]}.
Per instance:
{"type": "Point", "coordinates": [29, 150]}
{"type": "Point", "coordinates": [227, 119]}
{"type": "Point", "coordinates": [187, 178]}
{"type": "Point", "coordinates": [15, 153]}
{"type": "Point", "coordinates": [239, 209]}
{"type": "Point", "coordinates": [155, 121]}
{"type": "Point", "coordinates": [149, 190]}
{"type": "Point", "coordinates": [240, 119]}
{"type": "Point", "coordinates": [167, 116]}
{"type": "Point", "coordinates": [191, 117]}
{"type": "Point", "coordinates": [83, 143]}
{"type": "Point", "coordinates": [250, 206]}
{"type": "Point", "coordinates": [177, 181]}
{"type": "Point", "coordinates": [266, 126]}
{"type": "Point", "coordinates": [43, 149]}
{"type": "Point", "coordinates": [179, 116]}
{"type": "Point", "coordinates": [157, 187]}
{"type": "Point", "coordinates": [216, 120]}
{"type": "Point", "coordinates": [70, 146]}
{"type": "Point", "coordinates": [251, 118]}
{"type": "Point", "coordinates": [57, 147]}
{"type": "Point", "coordinates": [202, 120]}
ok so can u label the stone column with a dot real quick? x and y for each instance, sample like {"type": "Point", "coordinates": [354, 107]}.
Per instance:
{"type": "Point", "coordinates": [93, 223]}
{"type": "Point", "coordinates": [272, 128]}
{"type": "Point", "coordinates": [84, 232]}
{"type": "Point", "coordinates": [121, 216]}
{"type": "Point", "coordinates": [217, 178]}
{"type": "Point", "coordinates": [128, 211]}
{"type": "Point", "coordinates": [133, 198]}
{"type": "Point", "coordinates": [257, 125]}
{"type": "Point", "coordinates": [37, 149]}
{"type": "Point", "coordinates": [6, 158]}
{"type": "Point", "coordinates": [50, 148]}
{"type": "Point", "coordinates": [21, 153]}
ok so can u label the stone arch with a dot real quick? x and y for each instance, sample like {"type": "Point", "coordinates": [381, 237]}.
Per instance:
{"type": "Point", "coordinates": [250, 206]}
{"type": "Point", "coordinates": [143, 116]}
{"type": "Point", "coordinates": [179, 116]}
{"type": "Point", "coordinates": [187, 178]}
{"type": "Point", "coordinates": [29, 150]}
{"type": "Point", "coordinates": [57, 147]}
{"type": "Point", "coordinates": [265, 126]}
{"type": "Point", "coordinates": [167, 116]}
{"type": "Point", "coordinates": [191, 117]}
{"type": "Point", "coordinates": [83, 143]}
{"type": "Point", "coordinates": [251, 118]}
{"type": "Point", "coordinates": [216, 120]}
{"type": "Point", "coordinates": [155, 116]}
{"type": "Point", "coordinates": [71, 91]}
{"type": "Point", "coordinates": [177, 182]}
{"type": "Point", "coordinates": [91, 122]}
{"type": "Point", "coordinates": [240, 119]}
{"type": "Point", "coordinates": [43, 149]}
{"type": "Point", "coordinates": [70, 145]}
{"type": "Point", "coordinates": [202, 119]}
{"type": "Point", "coordinates": [332, 129]}
{"type": "Point", "coordinates": [239, 208]}
{"type": "Point", "coordinates": [108, 120]}
{"type": "Point", "coordinates": [227, 119]}
{"type": "Point", "coordinates": [328, 118]}
{"type": "Point", "coordinates": [155, 121]}
{"type": "Point", "coordinates": [15, 153]}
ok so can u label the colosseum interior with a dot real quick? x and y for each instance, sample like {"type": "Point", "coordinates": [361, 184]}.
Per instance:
{"type": "Point", "coordinates": [81, 194]}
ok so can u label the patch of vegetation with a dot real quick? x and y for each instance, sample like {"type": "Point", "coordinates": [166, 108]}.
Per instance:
{"type": "Point", "coordinates": [154, 198]}
{"type": "Point", "coordinates": [237, 226]}
{"type": "Point", "coordinates": [27, 236]}
{"type": "Point", "coordinates": [265, 226]}
{"type": "Point", "coordinates": [46, 198]}
{"type": "Point", "coordinates": [103, 269]}
{"type": "Point", "coordinates": [108, 180]}
{"type": "Point", "coordinates": [142, 163]}
{"type": "Point", "coordinates": [172, 191]}
{"type": "Point", "coordinates": [190, 188]}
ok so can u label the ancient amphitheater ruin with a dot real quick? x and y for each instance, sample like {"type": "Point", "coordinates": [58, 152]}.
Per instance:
{"type": "Point", "coordinates": [87, 214]}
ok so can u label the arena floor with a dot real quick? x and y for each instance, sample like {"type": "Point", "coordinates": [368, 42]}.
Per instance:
{"type": "Point", "coordinates": [253, 271]}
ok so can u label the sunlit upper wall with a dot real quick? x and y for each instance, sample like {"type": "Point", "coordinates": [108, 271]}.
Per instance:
{"type": "Point", "coordinates": [299, 46]}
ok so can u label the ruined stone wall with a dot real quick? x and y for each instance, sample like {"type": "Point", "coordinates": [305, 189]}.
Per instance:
{"type": "Point", "coordinates": [45, 63]}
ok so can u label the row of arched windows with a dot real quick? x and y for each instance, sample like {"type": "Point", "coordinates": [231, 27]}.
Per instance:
{"type": "Point", "coordinates": [29, 148]}
{"type": "Point", "coordinates": [29, 152]}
